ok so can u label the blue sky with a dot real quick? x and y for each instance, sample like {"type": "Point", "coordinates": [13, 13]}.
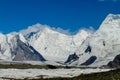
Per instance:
{"type": "Point", "coordinates": [67, 14]}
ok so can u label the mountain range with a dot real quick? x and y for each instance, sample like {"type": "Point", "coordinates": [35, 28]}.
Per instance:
{"type": "Point", "coordinates": [43, 43]}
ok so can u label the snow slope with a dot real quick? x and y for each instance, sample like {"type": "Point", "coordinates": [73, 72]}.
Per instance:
{"type": "Point", "coordinates": [104, 44]}
{"type": "Point", "coordinates": [53, 45]}
{"type": "Point", "coordinates": [46, 73]}
{"type": "Point", "coordinates": [14, 46]}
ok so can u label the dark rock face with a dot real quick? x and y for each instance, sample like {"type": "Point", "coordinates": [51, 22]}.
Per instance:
{"type": "Point", "coordinates": [103, 43]}
{"type": "Point", "coordinates": [24, 52]}
{"type": "Point", "coordinates": [89, 61]}
{"type": "Point", "coordinates": [31, 34]}
{"type": "Point", "coordinates": [115, 63]}
{"type": "Point", "coordinates": [72, 58]}
{"type": "Point", "coordinates": [88, 49]}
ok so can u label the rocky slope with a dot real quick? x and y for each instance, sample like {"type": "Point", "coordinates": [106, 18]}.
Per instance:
{"type": "Point", "coordinates": [13, 46]}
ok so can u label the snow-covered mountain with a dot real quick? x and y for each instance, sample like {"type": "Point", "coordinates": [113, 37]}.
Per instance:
{"type": "Point", "coordinates": [13, 46]}
{"type": "Point", "coordinates": [41, 42]}
{"type": "Point", "coordinates": [53, 45]}
{"type": "Point", "coordinates": [103, 46]}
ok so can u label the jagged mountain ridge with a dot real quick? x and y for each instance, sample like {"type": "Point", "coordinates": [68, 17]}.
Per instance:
{"type": "Point", "coordinates": [25, 44]}
{"type": "Point", "coordinates": [53, 45]}
{"type": "Point", "coordinates": [96, 49]}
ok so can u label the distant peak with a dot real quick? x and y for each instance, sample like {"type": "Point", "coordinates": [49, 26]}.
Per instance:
{"type": "Point", "coordinates": [83, 32]}
{"type": "Point", "coordinates": [33, 29]}
{"type": "Point", "coordinates": [111, 22]}
{"type": "Point", "coordinates": [111, 17]}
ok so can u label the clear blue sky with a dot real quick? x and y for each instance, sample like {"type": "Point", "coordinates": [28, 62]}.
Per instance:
{"type": "Point", "coordinates": [67, 14]}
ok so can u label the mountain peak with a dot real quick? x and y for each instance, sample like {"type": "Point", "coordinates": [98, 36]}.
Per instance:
{"type": "Point", "coordinates": [111, 22]}
{"type": "Point", "coordinates": [111, 17]}
{"type": "Point", "coordinates": [83, 32]}
{"type": "Point", "coordinates": [33, 29]}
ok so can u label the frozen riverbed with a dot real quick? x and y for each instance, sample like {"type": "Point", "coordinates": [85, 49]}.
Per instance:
{"type": "Point", "coordinates": [45, 73]}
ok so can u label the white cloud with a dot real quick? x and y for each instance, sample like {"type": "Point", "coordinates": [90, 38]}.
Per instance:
{"type": "Point", "coordinates": [89, 30]}
{"type": "Point", "coordinates": [67, 31]}
{"type": "Point", "coordinates": [39, 27]}
{"type": "Point", "coordinates": [34, 28]}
